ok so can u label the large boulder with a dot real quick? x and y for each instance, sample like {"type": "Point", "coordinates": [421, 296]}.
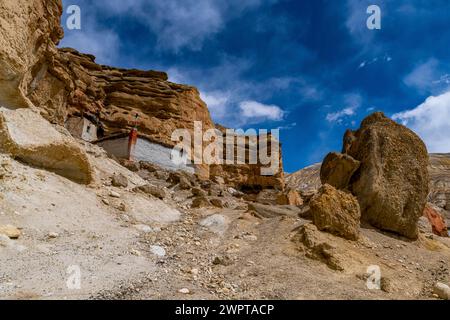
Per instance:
{"type": "Point", "coordinates": [337, 169]}
{"type": "Point", "coordinates": [31, 139]}
{"type": "Point", "coordinates": [392, 182]}
{"type": "Point", "coordinates": [336, 212]}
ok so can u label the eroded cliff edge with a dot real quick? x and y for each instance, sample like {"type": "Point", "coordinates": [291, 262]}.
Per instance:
{"type": "Point", "coordinates": [62, 82]}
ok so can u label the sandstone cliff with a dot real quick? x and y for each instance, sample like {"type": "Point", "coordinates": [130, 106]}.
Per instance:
{"type": "Point", "coordinates": [30, 31]}
{"type": "Point", "coordinates": [63, 83]}
{"type": "Point", "coordinates": [74, 84]}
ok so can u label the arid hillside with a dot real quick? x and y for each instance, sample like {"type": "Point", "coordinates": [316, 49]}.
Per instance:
{"type": "Point", "coordinates": [78, 222]}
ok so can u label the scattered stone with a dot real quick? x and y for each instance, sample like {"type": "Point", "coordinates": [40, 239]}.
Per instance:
{"type": "Point", "coordinates": [200, 202]}
{"type": "Point", "coordinates": [219, 180]}
{"type": "Point", "coordinates": [290, 198]}
{"type": "Point", "coordinates": [184, 183]}
{"type": "Point", "coordinates": [150, 167]}
{"type": "Point", "coordinates": [174, 177]}
{"type": "Point", "coordinates": [158, 251]}
{"type": "Point", "coordinates": [336, 212]}
{"type": "Point", "coordinates": [114, 194]}
{"type": "Point", "coordinates": [194, 271]}
{"type": "Point", "coordinates": [130, 165]}
{"type": "Point", "coordinates": [250, 237]}
{"type": "Point", "coordinates": [157, 192]}
{"type": "Point", "coordinates": [184, 291]}
{"type": "Point", "coordinates": [224, 260]}
{"type": "Point", "coordinates": [122, 207]}
{"type": "Point", "coordinates": [319, 247]}
{"type": "Point", "coordinates": [53, 235]}
{"type": "Point", "coordinates": [216, 202]}
{"type": "Point", "coordinates": [105, 201]}
{"type": "Point", "coordinates": [119, 180]}
{"type": "Point", "coordinates": [198, 192]}
{"type": "Point", "coordinates": [135, 252]}
{"type": "Point", "coordinates": [162, 175]}
{"type": "Point", "coordinates": [10, 231]}
{"type": "Point", "coordinates": [442, 291]}
{"type": "Point", "coordinates": [235, 193]}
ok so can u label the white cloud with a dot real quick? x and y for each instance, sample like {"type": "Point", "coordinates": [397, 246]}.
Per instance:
{"type": "Point", "coordinates": [352, 103]}
{"type": "Point", "coordinates": [430, 121]}
{"type": "Point", "coordinates": [423, 75]}
{"type": "Point", "coordinates": [180, 24]}
{"type": "Point", "coordinates": [218, 103]}
{"type": "Point", "coordinates": [93, 38]}
{"type": "Point", "coordinates": [255, 112]}
{"type": "Point", "coordinates": [103, 44]}
{"type": "Point", "coordinates": [356, 21]}
{"type": "Point", "coordinates": [337, 116]}
{"type": "Point", "coordinates": [234, 103]}
{"type": "Point", "coordinates": [365, 63]}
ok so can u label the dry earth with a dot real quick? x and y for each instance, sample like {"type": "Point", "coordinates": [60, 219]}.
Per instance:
{"type": "Point", "coordinates": [111, 234]}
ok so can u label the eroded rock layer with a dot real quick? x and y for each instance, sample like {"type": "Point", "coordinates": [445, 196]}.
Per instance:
{"type": "Point", "coordinates": [63, 83]}
{"type": "Point", "coordinates": [74, 84]}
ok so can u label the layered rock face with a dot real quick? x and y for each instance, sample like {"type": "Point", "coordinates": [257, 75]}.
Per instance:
{"type": "Point", "coordinates": [251, 176]}
{"type": "Point", "coordinates": [439, 169]}
{"type": "Point", "coordinates": [63, 83]}
{"type": "Point", "coordinates": [29, 32]}
{"type": "Point", "coordinates": [116, 96]}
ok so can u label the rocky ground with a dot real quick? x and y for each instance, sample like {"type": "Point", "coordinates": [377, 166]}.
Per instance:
{"type": "Point", "coordinates": [129, 244]}
{"type": "Point", "coordinates": [76, 224]}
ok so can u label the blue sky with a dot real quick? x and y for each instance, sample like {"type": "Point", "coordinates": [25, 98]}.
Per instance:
{"type": "Point", "coordinates": [310, 68]}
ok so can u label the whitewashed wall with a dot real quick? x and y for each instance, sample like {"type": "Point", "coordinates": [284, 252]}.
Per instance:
{"type": "Point", "coordinates": [145, 151]}
{"type": "Point", "coordinates": [159, 155]}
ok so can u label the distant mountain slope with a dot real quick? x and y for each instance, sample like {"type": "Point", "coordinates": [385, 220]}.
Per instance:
{"type": "Point", "coordinates": [306, 179]}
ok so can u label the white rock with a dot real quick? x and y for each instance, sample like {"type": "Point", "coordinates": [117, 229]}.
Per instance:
{"type": "Point", "coordinates": [194, 271]}
{"type": "Point", "coordinates": [216, 223]}
{"type": "Point", "coordinates": [143, 228]}
{"type": "Point", "coordinates": [135, 252]}
{"type": "Point", "coordinates": [442, 290]}
{"type": "Point", "coordinates": [184, 291]}
{"type": "Point", "coordinates": [158, 251]}
{"type": "Point", "coordinates": [114, 194]}
{"type": "Point", "coordinates": [53, 235]}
